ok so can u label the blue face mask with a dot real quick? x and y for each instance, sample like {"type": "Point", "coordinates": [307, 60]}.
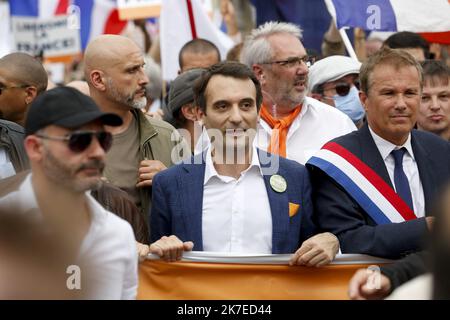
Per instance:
{"type": "Point", "coordinates": [350, 104]}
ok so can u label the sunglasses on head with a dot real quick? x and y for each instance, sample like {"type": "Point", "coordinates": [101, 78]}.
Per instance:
{"type": "Point", "coordinates": [79, 141]}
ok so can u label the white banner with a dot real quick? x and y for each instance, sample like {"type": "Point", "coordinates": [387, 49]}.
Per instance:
{"type": "Point", "coordinates": [52, 36]}
{"type": "Point", "coordinates": [246, 258]}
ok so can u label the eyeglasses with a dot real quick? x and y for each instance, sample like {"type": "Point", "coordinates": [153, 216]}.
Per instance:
{"type": "Point", "coordinates": [12, 87]}
{"type": "Point", "coordinates": [293, 62]}
{"type": "Point", "coordinates": [80, 140]}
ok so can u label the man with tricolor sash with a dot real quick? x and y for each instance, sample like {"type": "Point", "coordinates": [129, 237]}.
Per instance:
{"type": "Point", "coordinates": [292, 125]}
{"type": "Point", "coordinates": [374, 188]}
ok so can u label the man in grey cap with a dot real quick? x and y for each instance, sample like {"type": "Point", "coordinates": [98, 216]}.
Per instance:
{"type": "Point", "coordinates": [66, 143]}
{"type": "Point", "coordinates": [333, 80]}
{"type": "Point", "coordinates": [181, 109]}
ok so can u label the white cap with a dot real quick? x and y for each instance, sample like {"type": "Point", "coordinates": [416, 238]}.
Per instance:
{"type": "Point", "coordinates": [330, 69]}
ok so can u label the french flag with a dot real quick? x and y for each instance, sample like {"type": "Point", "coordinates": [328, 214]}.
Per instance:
{"type": "Point", "coordinates": [431, 18]}
{"type": "Point", "coordinates": [182, 21]}
{"type": "Point", "coordinates": [96, 16]}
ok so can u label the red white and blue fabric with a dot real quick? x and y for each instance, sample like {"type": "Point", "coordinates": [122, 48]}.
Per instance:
{"type": "Point", "coordinates": [96, 16]}
{"type": "Point", "coordinates": [431, 18]}
{"type": "Point", "coordinates": [363, 184]}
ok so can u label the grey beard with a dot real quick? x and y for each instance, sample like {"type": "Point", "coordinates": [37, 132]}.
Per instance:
{"type": "Point", "coordinates": [139, 104]}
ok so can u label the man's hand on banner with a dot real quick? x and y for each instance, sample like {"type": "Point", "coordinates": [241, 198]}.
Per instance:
{"type": "Point", "coordinates": [317, 251]}
{"type": "Point", "coordinates": [361, 286]}
{"type": "Point", "coordinates": [170, 248]}
{"type": "Point", "coordinates": [143, 250]}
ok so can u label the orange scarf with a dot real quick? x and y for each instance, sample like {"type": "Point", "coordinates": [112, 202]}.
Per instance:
{"type": "Point", "coordinates": [280, 128]}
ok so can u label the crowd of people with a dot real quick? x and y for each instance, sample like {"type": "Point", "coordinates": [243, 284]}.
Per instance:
{"type": "Point", "coordinates": [269, 151]}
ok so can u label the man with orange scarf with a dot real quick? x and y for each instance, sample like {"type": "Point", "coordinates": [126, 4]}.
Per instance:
{"type": "Point", "coordinates": [291, 125]}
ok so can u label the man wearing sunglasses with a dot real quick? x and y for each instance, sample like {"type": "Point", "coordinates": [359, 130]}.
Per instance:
{"type": "Point", "coordinates": [292, 124]}
{"type": "Point", "coordinates": [66, 143]}
{"type": "Point", "coordinates": [143, 146]}
{"type": "Point", "coordinates": [334, 81]}
{"type": "Point", "coordinates": [22, 78]}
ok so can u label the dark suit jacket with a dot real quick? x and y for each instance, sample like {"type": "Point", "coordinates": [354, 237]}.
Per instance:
{"type": "Point", "coordinates": [178, 200]}
{"type": "Point", "coordinates": [337, 212]}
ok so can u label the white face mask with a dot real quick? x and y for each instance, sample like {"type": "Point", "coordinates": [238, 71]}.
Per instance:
{"type": "Point", "coordinates": [350, 104]}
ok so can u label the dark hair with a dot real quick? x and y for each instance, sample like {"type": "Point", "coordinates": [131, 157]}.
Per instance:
{"type": "Point", "coordinates": [228, 69]}
{"type": "Point", "coordinates": [198, 45]}
{"type": "Point", "coordinates": [435, 72]}
{"type": "Point", "coordinates": [406, 39]}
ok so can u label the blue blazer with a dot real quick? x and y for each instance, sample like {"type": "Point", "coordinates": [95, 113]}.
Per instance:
{"type": "Point", "coordinates": [178, 200]}
{"type": "Point", "coordinates": [337, 212]}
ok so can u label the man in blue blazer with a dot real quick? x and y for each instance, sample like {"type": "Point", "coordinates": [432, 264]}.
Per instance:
{"type": "Point", "coordinates": [234, 197]}
{"type": "Point", "coordinates": [365, 218]}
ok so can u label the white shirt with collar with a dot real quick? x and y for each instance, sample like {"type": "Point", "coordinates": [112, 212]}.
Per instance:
{"type": "Point", "coordinates": [109, 246]}
{"type": "Point", "coordinates": [316, 124]}
{"type": "Point", "coordinates": [236, 214]}
{"type": "Point", "coordinates": [409, 167]}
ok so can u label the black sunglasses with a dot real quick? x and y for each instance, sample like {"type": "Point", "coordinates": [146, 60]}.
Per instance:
{"type": "Point", "coordinates": [79, 141]}
{"type": "Point", "coordinates": [342, 89]}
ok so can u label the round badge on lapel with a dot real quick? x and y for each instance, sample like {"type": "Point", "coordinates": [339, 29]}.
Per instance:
{"type": "Point", "coordinates": [278, 183]}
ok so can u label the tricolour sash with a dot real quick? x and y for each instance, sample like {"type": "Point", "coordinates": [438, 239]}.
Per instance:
{"type": "Point", "coordinates": [363, 184]}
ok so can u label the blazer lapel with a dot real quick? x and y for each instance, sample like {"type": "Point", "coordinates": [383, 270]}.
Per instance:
{"type": "Point", "coordinates": [190, 183]}
{"type": "Point", "coordinates": [371, 156]}
{"type": "Point", "coordinates": [279, 207]}
{"type": "Point", "coordinates": [427, 177]}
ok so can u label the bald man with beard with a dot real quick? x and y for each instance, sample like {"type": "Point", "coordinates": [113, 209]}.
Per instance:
{"type": "Point", "coordinates": [143, 146]}
{"type": "Point", "coordinates": [22, 78]}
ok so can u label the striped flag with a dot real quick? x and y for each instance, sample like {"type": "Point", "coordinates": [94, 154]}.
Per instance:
{"type": "Point", "coordinates": [182, 21]}
{"type": "Point", "coordinates": [431, 17]}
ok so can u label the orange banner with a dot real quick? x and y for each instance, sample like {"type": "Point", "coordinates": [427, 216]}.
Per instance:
{"type": "Point", "coordinates": [159, 280]}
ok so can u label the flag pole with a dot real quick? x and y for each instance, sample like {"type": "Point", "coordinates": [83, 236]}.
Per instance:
{"type": "Point", "coordinates": [347, 43]}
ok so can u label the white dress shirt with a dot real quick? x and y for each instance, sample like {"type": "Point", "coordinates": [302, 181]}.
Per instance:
{"type": "Point", "coordinates": [236, 214]}
{"type": "Point", "coordinates": [409, 167]}
{"type": "Point", "coordinates": [316, 124]}
{"type": "Point", "coordinates": [6, 166]}
{"type": "Point", "coordinates": [109, 245]}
